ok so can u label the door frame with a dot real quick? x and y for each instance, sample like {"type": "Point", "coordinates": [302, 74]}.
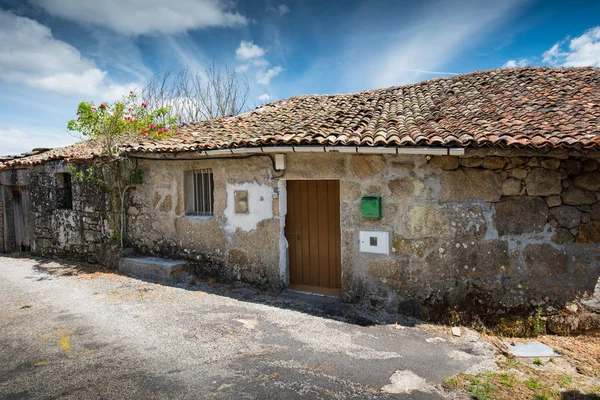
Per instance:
{"type": "Point", "coordinates": [16, 204]}
{"type": "Point", "coordinates": [284, 261]}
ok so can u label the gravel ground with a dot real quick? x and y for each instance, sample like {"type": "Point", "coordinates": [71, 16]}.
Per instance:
{"type": "Point", "coordinates": [75, 332]}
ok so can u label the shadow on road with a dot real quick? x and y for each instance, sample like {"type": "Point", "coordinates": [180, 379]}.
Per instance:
{"type": "Point", "coordinates": [574, 395]}
{"type": "Point", "coordinates": [315, 305]}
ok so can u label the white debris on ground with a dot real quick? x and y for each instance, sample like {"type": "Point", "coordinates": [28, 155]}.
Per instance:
{"type": "Point", "coordinates": [436, 339]}
{"type": "Point", "coordinates": [531, 349]}
{"type": "Point", "coordinates": [406, 381]}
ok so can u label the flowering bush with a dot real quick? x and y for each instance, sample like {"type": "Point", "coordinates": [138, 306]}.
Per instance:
{"type": "Point", "coordinates": [105, 124]}
{"type": "Point", "coordinates": [127, 116]}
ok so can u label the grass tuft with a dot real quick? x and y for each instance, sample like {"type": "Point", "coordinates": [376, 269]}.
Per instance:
{"type": "Point", "coordinates": [507, 379]}
{"type": "Point", "coordinates": [480, 389]}
{"type": "Point", "coordinates": [532, 383]}
{"type": "Point", "coordinates": [564, 381]}
{"type": "Point", "coordinates": [452, 382]}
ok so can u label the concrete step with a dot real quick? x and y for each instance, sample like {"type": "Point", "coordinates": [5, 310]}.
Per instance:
{"type": "Point", "coordinates": [151, 267]}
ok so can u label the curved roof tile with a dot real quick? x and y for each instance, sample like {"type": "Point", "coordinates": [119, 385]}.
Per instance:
{"type": "Point", "coordinates": [536, 107]}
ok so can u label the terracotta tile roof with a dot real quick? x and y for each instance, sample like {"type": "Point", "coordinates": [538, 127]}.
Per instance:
{"type": "Point", "coordinates": [79, 151]}
{"type": "Point", "coordinates": [534, 107]}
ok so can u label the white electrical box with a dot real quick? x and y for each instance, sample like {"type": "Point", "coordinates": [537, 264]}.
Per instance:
{"type": "Point", "coordinates": [279, 162]}
{"type": "Point", "coordinates": [374, 242]}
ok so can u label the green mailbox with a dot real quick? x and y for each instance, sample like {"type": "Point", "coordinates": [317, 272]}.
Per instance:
{"type": "Point", "coordinates": [371, 207]}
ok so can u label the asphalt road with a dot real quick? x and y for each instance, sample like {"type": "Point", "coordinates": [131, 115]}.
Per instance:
{"type": "Point", "coordinates": [68, 332]}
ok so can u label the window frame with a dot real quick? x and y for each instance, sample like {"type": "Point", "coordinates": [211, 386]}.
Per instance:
{"type": "Point", "coordinates": [199, 192]}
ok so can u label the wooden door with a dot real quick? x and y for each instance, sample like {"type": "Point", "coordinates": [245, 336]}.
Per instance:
{"type": "Point", "coordinates": [312, 229]}
{"type": "Point", "coordinates": [19, 195]}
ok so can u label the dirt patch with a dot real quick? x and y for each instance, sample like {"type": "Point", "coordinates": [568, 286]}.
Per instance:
{"type": "Point", "coordinates": [573, 375]}
{"type": "Point", "coordinates": [583, 352]}
{"type": "Point", "coordinates": [518, 380]}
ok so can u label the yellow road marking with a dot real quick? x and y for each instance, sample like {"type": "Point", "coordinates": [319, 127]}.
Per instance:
{"type": "Point", "coordinates": [64, 341]}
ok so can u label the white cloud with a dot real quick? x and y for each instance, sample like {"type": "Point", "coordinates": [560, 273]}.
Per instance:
{"type": "Point", "coordinates": [264, 78]}
{"type": "Point", "coordinates": [515, 63]}
{"type": "Point", "coordinates": [403, 53]}
{"type": "Point", "coordinates": [260, 63]}
{"type": "Point", "coordinates": [583, 50]}
{"type": "Point", "coordinates": [552, 55]}
{"type": "Point", "coordinates": [184, 50]}
{"type": "Point", "coordinates": [264, 98]}
{"type": "Point", "coordinates": [283, 9]}
{"type": "Point", "coordinates": [138, 17]}
{"type": "Point", "coordinates": [252, 56]}
{"type": "Point", "coordinates": [249, 50]}
{"type": "Point", "coordinates": [30, 55]}
{"type": "Point", "coordinates": [15, 141]}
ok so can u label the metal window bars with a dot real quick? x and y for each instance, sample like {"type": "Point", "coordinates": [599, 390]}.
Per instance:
{"type": "Point", "coordinates": [199, 187]}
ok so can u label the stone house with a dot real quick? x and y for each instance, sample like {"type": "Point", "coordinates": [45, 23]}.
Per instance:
{"type": "Point", "coordinates": [479, 192]}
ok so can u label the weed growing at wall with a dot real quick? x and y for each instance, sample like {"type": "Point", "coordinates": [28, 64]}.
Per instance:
{"type": "Point", "coordinates": [539, 324]}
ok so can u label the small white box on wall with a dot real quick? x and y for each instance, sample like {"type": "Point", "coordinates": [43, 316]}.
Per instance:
{"type": "Point", "coordinates": [374, 242]}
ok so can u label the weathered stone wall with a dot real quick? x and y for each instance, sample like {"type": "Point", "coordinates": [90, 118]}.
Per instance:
{"type": "Point", "coordinates": [486, 234]}
{"type": "Point", "coordinates": [228, 245]}
{"type": "Point", "coordinates": [489, 232]}
{"type": "Point", "coordinates": [83, 232]}
{"type": "Point", "coordinates": [2, 246]}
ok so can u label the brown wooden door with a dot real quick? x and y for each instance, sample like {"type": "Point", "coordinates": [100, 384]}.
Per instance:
{"type": "Point", "coordinates": [312, 229]}
{"type": "Point", "coordinates": [19, 194]}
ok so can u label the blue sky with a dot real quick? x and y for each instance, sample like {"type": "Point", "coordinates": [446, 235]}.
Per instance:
{"type": "Point", "coordinates": [55, 53]}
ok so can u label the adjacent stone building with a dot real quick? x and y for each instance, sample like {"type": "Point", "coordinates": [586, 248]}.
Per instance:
{"type": "Point", "coordinates": [479, 192]}
{"type": "Point", "coordinates": [2, 239]}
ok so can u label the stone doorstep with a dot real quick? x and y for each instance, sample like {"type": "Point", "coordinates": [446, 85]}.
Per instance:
{"type": "Point", "coordinates": [151, 267]}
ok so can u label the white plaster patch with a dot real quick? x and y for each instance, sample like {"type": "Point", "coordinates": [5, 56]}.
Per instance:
{"type": "Point", "coordinates": [405, 381]}
{"type": "Point", "coordinates": [260, 206]}
{"type": "Point", "coordinates": [518, 243]}
{"type": "Point", "coordinates": [283, 244]}
{"type": "Point", "coordinates": [488, 213]}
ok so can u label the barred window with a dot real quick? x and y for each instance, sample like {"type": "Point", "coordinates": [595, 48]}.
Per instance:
{"type": "Point", "coordinates": [199, 196]}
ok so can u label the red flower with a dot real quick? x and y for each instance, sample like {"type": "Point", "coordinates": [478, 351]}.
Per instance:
{"type": "Point", "coordinates": [131, 92]}
{"type": "Point", "coordinates": [102, 106]}
{"type": "Point", "coordinates": [144, 131]}
{"type": "Point", "coordinates": [94, 108]}
{"type": "Point", "coordinates": [144, 105]}
{"type": "Point", "coordinates": [165, 130]}
{"type": "Point", "coordinates": [159, 132]}
{"type": "Point", "coordinates": [152, 126]}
